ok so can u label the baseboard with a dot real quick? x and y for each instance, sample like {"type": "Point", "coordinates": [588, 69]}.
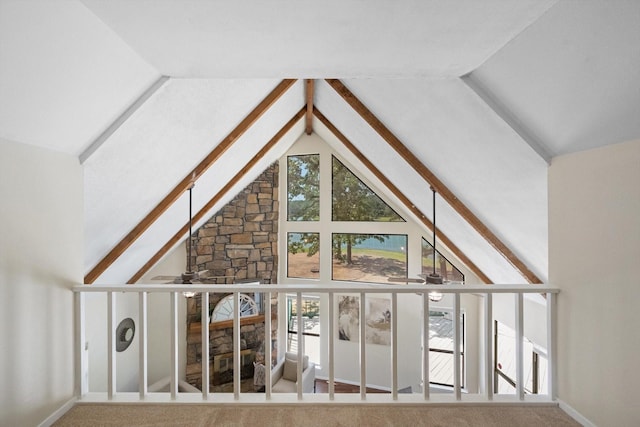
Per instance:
{"type": "Point", "coordinates": [55, 416]}
{"type": "Point", "coordinates": [575, 414]}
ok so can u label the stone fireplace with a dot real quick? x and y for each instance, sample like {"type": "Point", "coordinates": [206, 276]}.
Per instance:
{"type": "Point", "coordinates": [238, 243]}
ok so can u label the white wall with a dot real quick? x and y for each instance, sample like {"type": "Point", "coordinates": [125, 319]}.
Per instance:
{"type": "Point", "coordinates": [41, 240]}
{"type": "Point", "coordinates": [158, 330]}
{"type": "Point", "coordinates": [594, 222]}
{"type": "Point", "coordinates": [159, 345]}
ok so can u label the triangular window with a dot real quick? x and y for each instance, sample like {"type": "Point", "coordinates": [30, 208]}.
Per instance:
{"type": "Point", "coordinates": [353, 200]}
{"type": "Point", "coordinates": [444, 268]}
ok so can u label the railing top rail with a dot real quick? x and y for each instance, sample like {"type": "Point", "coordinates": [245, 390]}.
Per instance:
{"type": "Point", "coordinates": [340, 288]}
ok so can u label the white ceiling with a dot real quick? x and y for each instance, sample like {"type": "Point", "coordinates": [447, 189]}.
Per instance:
{"type": "Point", "coordinates": [573, 77]}
{"type": "Point", "coordinates": [560, 76]}
{"type": "Point", "coordinates": [305, 38]}
{"type": "Point", "coordinates": [64, 76]}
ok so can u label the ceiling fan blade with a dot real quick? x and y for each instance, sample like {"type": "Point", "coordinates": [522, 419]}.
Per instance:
{"type": "Point", "coordinates": [165, 277]}
{"type": "Point", "coordinates": [203, 274]}
{"type": "Point", "coordinates": [404, 280]}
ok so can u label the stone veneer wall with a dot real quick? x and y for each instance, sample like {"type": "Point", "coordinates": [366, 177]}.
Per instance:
{"type": "Point", "coordinates": [238, 243]}
{"type": "Point", "coordinates": [241, 240]}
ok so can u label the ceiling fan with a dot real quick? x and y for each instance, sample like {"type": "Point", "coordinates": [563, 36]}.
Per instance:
{"type": "Point", "coordinates": [189, 276]}
{"type": "Point", "coordinates": [433, 278]}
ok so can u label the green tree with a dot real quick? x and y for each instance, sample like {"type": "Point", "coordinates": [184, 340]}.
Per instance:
{"type": "Point", "coordinates": [303, 188]}
{"type": "Point", "coordinates": [349, 240]}
{"type": "Point", "coordinates": [304, 242]}
{"type": "Point", "coordinates": [352, 200]}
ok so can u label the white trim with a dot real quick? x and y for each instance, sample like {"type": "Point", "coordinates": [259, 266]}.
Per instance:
{"type": "Point", "coordinates": [58, 413]}
{"type": "Point", "coordinates": [113, 127]}
{"type": "Point", "coordinates": [321, 288]}
{"type": "Point", "coordinates": [574, 414]}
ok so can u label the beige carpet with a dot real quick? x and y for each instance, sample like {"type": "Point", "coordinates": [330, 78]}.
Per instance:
{"type": "Point", "coordinates": [312, 415]}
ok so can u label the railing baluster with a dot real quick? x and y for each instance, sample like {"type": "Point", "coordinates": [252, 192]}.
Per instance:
{"type": "Point", "coordinates": [300, 339]}
{"type": "Point", "coordinates": [267, 346]}
{"type": "Point", "coordinates": [394, 346]}
{"type": "Point", "coordinates": [331, 348]}
{"type": "Point", "coordinates": [142, 339]}
{"type": "Point", "coordinates": [174, 345]}
{"type": "Point", "coordinates": [456, 346]}
{"type": "Point", "coordinates": [488, 345]}
{"type": "Point", "coordinates": [551, 345]}
{"type": "Point", "coordinates": [111, 347]}
{"type": "Point", "coordinates": [236, 345]}
{"type": "Point", "coordinates": [519, 347]}
{"type": "Point", "coordinates": [204, 323]}
{"type": "Point", "coordinates": [81, 386]}
{"type": "Point", "coordinates": [363, 355]}
{"type": "Point", "coordinates": [425, 346]}
{"type": "Point", "coordinates": [486, 367]}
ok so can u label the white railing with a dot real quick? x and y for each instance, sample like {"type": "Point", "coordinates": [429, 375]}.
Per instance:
{"type": "Point", "coordinates": [175, 291]}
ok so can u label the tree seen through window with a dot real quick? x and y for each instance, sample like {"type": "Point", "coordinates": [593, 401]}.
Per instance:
{"type": "Point", "coordinates": [352, 200]}
{"type": "Point", "coordinates": [303, 187]}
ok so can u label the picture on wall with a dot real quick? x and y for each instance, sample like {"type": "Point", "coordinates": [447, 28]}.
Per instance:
{"type": "Point", "coordinates": [378, 321]}
{"type": "Point", "coordinates": [348, 318]}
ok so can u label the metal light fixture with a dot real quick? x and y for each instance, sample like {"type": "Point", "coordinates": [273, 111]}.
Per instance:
{"type": "Point", "coordinates": [189, 276]}
{"type": "Point", "coordinates": [434, 278]}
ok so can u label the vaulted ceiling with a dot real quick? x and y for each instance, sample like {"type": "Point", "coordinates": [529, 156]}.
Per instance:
{"type": "Point", "coordinates": [482, 94]}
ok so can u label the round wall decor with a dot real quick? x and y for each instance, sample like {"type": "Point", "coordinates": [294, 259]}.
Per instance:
{"type": "Point", "coordinates": [125, 332]}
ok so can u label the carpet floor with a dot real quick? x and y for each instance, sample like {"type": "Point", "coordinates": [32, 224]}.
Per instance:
{"type": "Point", "coordinates": [311, 415]}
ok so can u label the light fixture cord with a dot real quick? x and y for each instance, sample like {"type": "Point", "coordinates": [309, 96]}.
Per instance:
{"type": "Point", "coordinates": [434, 230]}
{"type": "Point", "coordinates": [189, 238]}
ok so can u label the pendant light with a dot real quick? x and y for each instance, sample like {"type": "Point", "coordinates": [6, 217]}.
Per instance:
{"type": "Point", "coordinates": [434, 278]}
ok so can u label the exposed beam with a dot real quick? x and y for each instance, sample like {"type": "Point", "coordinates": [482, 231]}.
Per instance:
{"type": "Point", "coordinates": [309, 95]}
{"type": "Point", "coordinates": [433, 180]}
{"type": "Point", "coordinates": [97, 143]}
{"type": "Point", "coordinates": [219, 195]}
{"type": "Point", "coordinates": [400, 195]}
{"type": "Point", "coordinates": [508, 117]}
{"type": "Point", "coordinates": [184, 185]}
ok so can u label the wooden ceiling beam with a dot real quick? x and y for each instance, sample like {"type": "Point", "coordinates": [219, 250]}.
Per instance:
{"type": "Point", "coordinates": [433, 180]}
{"type": "Point", "coordinates": [219, 195]}
{"type": "Point", "coordinates": [400, 195]}
{"type": "Point", "coordinates": [309, 87]}
{"type": "Point", "coordinates": [184, 185]}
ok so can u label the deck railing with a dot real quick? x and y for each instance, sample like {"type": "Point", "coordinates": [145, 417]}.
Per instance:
{"type": "Point", "coordinates": [175, 292]}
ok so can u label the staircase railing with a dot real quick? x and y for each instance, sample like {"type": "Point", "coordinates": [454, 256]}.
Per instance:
{"type": "Point", "coordinates": [487, 371]}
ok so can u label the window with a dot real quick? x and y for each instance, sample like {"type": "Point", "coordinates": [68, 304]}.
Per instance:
{"type": "Point", "coordinates": [535, 364]}
{"type": "Point", "coordinates": [447, 271]}
{"type": "Point", "coordinates": [303, 255]}
{"type": "Point", "coordinates": [303, 188]}
{"type": "Point", "coordinates": [368, 257]}
{"type": "Point", "coordinates": [441, 348]}
{"type": "Point", "coordinates": [352, 200]}
{"type": "Point", "coordinates": [224, 309]}
{"type": "Point", "coordinates": [310, 322]}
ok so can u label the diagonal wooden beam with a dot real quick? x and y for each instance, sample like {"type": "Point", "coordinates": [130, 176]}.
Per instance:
{"type": "Point", "coordinates": [309, 95]}
{"type": "Point", "coordinates": [219, 195]}
{"type": "Point", "coordinates": [433, 180]}
{"type": "Point", "coordinates": [400, 195]}
{"type": "Point", "coordinates": [174, 194]}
